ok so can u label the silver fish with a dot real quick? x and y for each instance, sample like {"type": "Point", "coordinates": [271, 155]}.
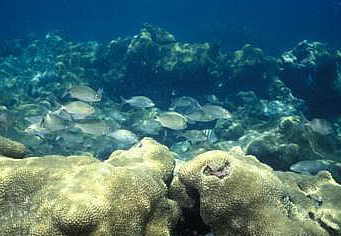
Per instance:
{"type": "Point", "coordinates": [124, 136]}
{"type": "Point", "coordinates": [93, 127]}
{"type": "Point", "coordinates": [37, 129]}
{"type": "Point", "coordinates": [84, 93]}
{"type": "Point", "coordinates": [139, 102]}
{"type": "Point", "coordinates": [320, 126]}
{"type": "Point", "coordinates": [200, 135]}
{"type": "Point", "coordinates": [53, 122]}
{"type": "Point", "coordinates": [185, 105]}
{"type": "Point", "coordinates": [199, 116]}
{"type": "Point", "coordinates": [149, 127]}
{"type": "Point", "coordinates": [216, 112]}
{"type": "Point", "coordinates": [172, 120]}
{"type": "Point", "coordinates": [78, 109]}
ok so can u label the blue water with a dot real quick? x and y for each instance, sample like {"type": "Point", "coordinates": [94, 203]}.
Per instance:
{"type": "Point", "coordinates": [272, 25]}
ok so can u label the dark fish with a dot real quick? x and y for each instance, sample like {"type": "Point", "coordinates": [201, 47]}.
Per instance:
{"type": "Point", "coordinates": [314, 166]}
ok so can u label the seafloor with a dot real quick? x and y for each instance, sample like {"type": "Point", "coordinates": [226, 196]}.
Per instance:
{"type": "Point", "coordinates": [248, 119]}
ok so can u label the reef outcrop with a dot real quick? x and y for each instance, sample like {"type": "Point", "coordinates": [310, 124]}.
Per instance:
{"type": "Point", "coordinates": [79, 195]}
{"type": "Point", "coordinates": [238, 195]}
{"type": "Point", "coordinates": [12, 148]}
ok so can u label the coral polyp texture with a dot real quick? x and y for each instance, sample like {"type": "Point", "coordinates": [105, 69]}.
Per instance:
{"type": "Point", "coordinates": [79, 195]}
{"type": "Point", "coordinates": [238, 195]}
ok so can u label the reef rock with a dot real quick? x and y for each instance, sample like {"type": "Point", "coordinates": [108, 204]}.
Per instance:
{"type": "Point", "coordinates": [12, 148]}
{"type": "Point", "coordinates": [240, 196]}
{"type": "Point", "coordinates": [312, 68]}
{"type": "Point", "coordinates": [79, 195]}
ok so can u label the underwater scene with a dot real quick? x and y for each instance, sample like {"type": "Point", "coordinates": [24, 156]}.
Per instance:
{"type": "Point", "coordinates": [178, 118]}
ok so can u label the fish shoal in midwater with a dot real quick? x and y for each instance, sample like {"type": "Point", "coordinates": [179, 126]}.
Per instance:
{"type": "Point", "coordinates": [84, 93]}
{"type": "Point", "coordinates": [172, 120]}
{"type": "Point", "coordinates": [139, 102]}
{"type": "Point", "coordinates": [124, 136]}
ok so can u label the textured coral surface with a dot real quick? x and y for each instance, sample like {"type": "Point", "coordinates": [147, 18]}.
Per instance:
{"type": "Point", "coordinates": [240, 196]}
{"type": "Point", "coordinates": [79, 195]}
{"type": "Point", "coordinates": [11, 148]}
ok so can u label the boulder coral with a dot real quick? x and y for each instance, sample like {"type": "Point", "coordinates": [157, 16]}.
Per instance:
{"type": "Point", "coordinates": [12, 148]}
{"type": "Point", "coordinates": [79, 195]}
{"type": "Point", "coordinates": [238, 195]}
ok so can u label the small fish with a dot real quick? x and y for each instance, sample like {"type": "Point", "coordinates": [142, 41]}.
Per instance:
{"type": "Point", "coordinates": [77, 109]}
{"type": "Point", "coordinates": [53, 122]}
{"type": "Point", "coordinates": [84, 93]}
{"type": "Point", "coordinates": [199, 116]}
{"type": "Point", "coordinates": [216, 112]}
{"type": "Point", "coordinates": [200, 135]}
{"type": "Point", "coordinates": [185, 105]}
{"type": "Point", "coordinates": [139, 102]}
{"type": "Point", "coordinates": [124, 136]}
{"type": "Point", "coordinates": [172, 120]}
{"type": "Point", "coordinates": [314, 166]}
{"type": "Point", "coordinates": [37, 129]}
{"type": "Point", "coordinates": [149, 127]}
{"type": "Point", "coordinates": [93, 127]}
{"type": "Point", "coordinates": [320, 126]}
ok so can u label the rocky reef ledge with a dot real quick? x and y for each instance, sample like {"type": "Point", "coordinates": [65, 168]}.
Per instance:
{"type": "Point", "coordinates": [137, 192]}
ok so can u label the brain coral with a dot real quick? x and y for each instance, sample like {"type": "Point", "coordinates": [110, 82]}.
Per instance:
{"type": "Point", "coordinates": [79, 195]}
{"type": "Point", "coordinates": [239, 196]}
